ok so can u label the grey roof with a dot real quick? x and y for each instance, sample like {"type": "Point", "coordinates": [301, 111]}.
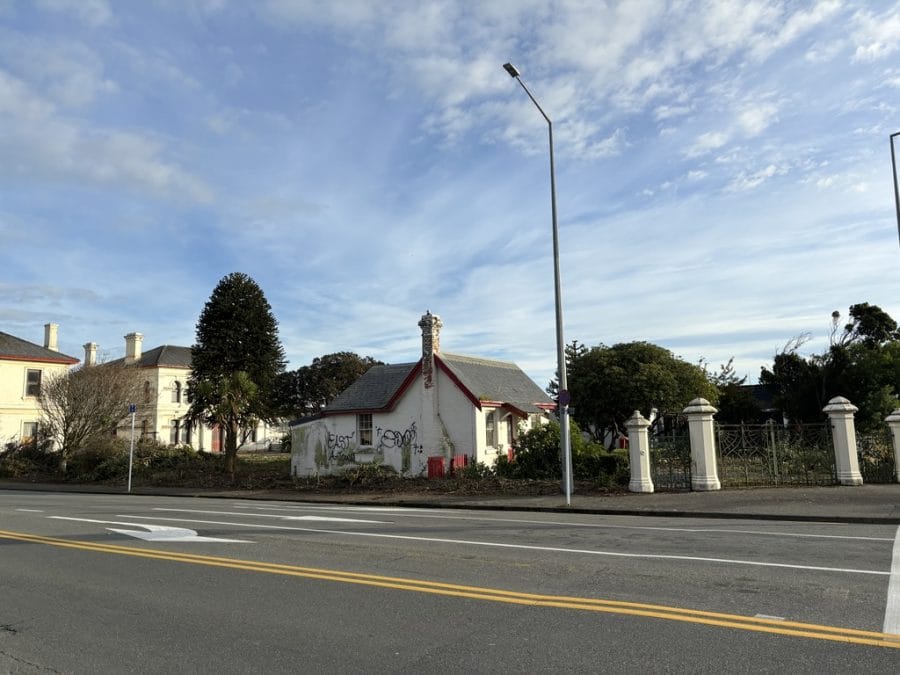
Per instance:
{"type": "Point", "coordinates": [373, 390]}
{"type": "Point", "coordinates": [492, 380]}
{"type": "Point", "coordinates": [485, 379]}
{"type": "Point", "coordinates": [166, 356]}
{"type": "Point", "coordinates": [12, 347]}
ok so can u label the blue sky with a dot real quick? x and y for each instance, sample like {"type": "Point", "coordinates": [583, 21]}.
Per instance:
{"type": "Point", "coordinates": [723, 171]}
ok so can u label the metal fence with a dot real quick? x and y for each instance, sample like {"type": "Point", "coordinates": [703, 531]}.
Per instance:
{"type": "Point", "coordinates": [876, 456]}
{"type": "Point", "coordinates": [770, 454]}
{"type": "Point", "coordinates": [767, 455]}
{"type": "Point", "coordinates": [670, 458]}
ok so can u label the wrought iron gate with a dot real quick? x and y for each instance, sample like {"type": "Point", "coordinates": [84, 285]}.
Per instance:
{"type": "Point", "coordinates": [770, 454]}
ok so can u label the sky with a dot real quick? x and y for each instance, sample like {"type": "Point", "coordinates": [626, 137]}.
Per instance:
{"type": "Point", "coordinates": [723, 172]}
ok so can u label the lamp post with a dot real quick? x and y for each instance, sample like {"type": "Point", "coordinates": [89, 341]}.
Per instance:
{"type": "Point", "coordinates": [563, 393]}
{"type": "Point", "coordinates": [896, 188]}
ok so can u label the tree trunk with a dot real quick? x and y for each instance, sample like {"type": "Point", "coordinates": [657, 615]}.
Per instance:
{"type": "Point", "coordinates": [231, 445]}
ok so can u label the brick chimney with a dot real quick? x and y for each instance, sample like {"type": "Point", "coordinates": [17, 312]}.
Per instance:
{"type": "Point", "coordinates": [51, 337]}
{"type": "Point", "coordinates": [133, 347]}
{"type": "Point", "coordinates": [431, 345]}
{"type": "Point", "coordinates": [90, 354]}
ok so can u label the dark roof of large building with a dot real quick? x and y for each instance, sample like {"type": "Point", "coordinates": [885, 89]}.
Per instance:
{"type": "Point", "coordinates": [481, 379]}
{"type": "Point", "coordinates": [18, 349]}
{"type": "Point", "coordinates": [499, 381]}
{"type": "Point", "coordinates": [374, 389]}
{"type": "Point", "coordinates": [167, 356]}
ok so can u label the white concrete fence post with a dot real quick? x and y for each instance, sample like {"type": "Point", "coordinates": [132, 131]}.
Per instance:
{"type": "Point", "coordinates": [893, 421]}
{"type": "Point", "coordinates": [704, 473]}
{"type": "Point", "coordinates": [843, 430]}
{"type": "Point", "coordinates": [639, 453]}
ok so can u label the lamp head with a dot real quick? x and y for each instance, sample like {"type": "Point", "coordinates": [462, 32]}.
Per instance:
{"type": "Point", "coordinates": [511, 69]}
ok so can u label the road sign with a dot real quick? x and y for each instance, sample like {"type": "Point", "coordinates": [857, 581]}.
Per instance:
{"type": "Point", "coordinates": [132, 408]}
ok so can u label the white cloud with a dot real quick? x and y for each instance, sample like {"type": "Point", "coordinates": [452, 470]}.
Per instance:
{"type": "Point", "coordinates": [94, 13]}
{"type": "Point", "coordinates": [35, 139]}
{"type": "Point", "coordinates": [876, 36]}
{"type": "Point", "coordinates": [755, 119]}
{"type": "Point", "coordinates": [67, 71]}
{"type": "Point", "coordinates": [706, 142]}
{"type": "Point", "coordinates": [744, 181]}
{"type": "Point", "coordinates": [794, 26]}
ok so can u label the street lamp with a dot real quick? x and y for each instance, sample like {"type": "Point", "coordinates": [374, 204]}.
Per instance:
{"type": "Point", "coordinates": [563, 393]}
{"type": "Point", "coordinates": [896, 188]}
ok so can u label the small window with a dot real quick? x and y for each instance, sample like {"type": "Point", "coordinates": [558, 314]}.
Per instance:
{"type": "Point", "coordinates": [364, 429]}
{"type": "Point", "coordinates": [186, 433]}
{"type": "Point", "coordinates": [33, 383]}
{"type": "Point", "coordinates": [175, 431]}
{"type": "Point", "coordinates": [147, 392]}
{"type": "Point", "coordinates": [145, 428]}
{"type": "Point", "coordinates": [29, 432]}
{"type": "Point", "coordinates": [176, 392]}
{"type": "Point", "coordinates": [489, 431]}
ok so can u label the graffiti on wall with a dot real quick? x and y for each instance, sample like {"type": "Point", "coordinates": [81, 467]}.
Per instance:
{"type": "Point", "coordinates": [339, 441]}
{"type": "Point", "coordinates": [393, 438]}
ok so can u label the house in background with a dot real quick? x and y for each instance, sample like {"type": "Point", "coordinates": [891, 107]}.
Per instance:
{"type": "Point", "coordinates": [24, 367]}
{"type": "Point", "coordinates": [442, 405]}
{"type": "Point", "coordinates": [163, 403]}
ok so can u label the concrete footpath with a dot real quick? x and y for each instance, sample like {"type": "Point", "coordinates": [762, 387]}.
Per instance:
{"type": "Point", "coordinates": [863, 504]}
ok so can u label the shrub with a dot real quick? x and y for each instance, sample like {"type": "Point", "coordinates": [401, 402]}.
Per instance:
{"type": "Point", "coordinates": [100, 458]}
{"type": "Point", "coordinates": [20, 460]}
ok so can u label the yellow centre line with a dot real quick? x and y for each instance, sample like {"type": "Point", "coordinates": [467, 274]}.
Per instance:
{"type": "Point", "coordinates": [790, 628]}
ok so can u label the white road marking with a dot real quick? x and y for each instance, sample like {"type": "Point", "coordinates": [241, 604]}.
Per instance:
{"type": "Point", "coordinates": [690, 530]}
{"type": "Point", "coordinates": [326, 519]}
{"type": "Point", "coordinates": [31, 510]}
{"type": "Point", "coordinates": [892, 611]}
{"type": "Point", "coordinates": [270, 515]}
{"type": "Point", "coordinates": [156, 532]}
{"type": "Point", "coordinates": [525, 547]}
{"type": "Point", "coordinates": [769, 617]}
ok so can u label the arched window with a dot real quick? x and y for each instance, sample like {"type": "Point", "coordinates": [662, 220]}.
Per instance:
{"type": "Point", "coordinates": [176, 392]}
{"type": "Point", "coordinates": [147, 392]}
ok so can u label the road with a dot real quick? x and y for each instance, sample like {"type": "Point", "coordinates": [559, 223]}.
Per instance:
{"type": "Point", "coordinates": [125, 583]}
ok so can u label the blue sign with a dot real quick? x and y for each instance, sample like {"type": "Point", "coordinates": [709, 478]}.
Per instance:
{"type": "Point", "coordinates": [132, 408]}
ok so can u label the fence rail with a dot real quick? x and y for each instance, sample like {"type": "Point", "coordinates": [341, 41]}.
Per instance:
{"type": "Point", "coordinates": [770, 455]}
{"type": "Point", "coordinates": [876, 457]}
{"type": "Point", "coordinates": [670, 460]}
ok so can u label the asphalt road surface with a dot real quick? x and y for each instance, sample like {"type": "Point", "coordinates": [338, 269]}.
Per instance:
{"type": "Point", "coordinates": [137, 584]}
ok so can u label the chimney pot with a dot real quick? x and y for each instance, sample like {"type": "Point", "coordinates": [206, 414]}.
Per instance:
{"type": "Point", "coordinates": [90, 354]}
{"type": "Point", "coordinates": [133, 343]}
{"type": "Point", "coordinates": [431, 344]}
{"type": "Point", "coordinates": [51, 337]}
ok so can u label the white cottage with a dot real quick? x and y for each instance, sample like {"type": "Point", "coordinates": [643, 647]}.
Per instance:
{"type": "Point", "coordinates": [441, 406]}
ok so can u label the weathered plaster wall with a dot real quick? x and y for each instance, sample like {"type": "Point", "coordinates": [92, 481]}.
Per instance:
{"type": "Point", "coordinates": [330, 445]}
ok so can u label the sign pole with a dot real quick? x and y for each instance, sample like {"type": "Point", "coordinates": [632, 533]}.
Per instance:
{"type": "Point", "coordinates": [132, 408]}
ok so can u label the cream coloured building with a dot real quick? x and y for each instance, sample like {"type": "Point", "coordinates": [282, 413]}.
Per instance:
{"type": "Point", "coordinates": [162, 400]}
{"type": "Point", "coordinates": [24, 367]}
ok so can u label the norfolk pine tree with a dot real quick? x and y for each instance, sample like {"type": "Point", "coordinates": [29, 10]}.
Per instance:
{"type": "Point", "coordinates": [235, 361]}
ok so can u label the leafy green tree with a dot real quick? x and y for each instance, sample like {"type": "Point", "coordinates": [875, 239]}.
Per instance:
{"type": "Point", "coordinates": [736, 402]}
{"type": "Point", "coordinates": [537, 456]}
{"type": "Point", "coordinates": [573, 351]}
{"type": "Point", "coordinates": [82, 404]}
{"type": "Point", "coordinates": [609, 383]}
{"type": "Point", "coordinates": [235, 362]}
{"type": "Point", "coordinates": [868, 324]}
{"type": "Point", "coordinates": [308, 389]}
{"type": "Point", "coordinates": [862, 364]}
